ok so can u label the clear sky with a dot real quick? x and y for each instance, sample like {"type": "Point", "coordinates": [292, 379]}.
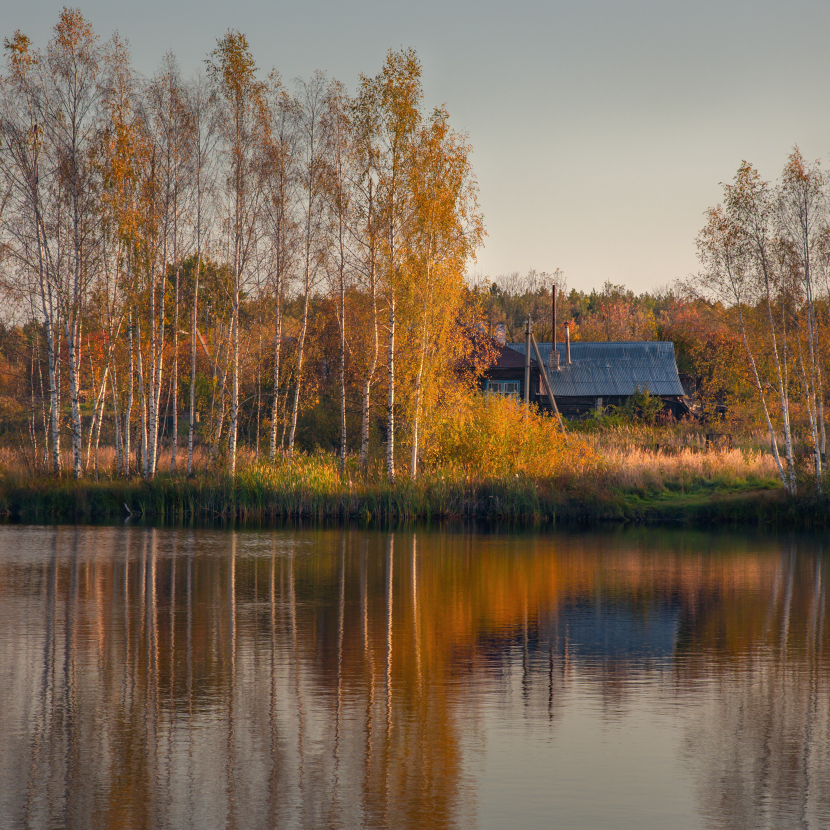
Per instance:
{"type": "Point", "coordinates": [601, 129]}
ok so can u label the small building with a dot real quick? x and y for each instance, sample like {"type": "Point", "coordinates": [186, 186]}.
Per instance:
{"type": "Point", "coordinates": [598, 375]}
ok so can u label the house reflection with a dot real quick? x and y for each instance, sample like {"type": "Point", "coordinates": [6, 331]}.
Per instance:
{"type": "Point", "coordinates": [337, 678]}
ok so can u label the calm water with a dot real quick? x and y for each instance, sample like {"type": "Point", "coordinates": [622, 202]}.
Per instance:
{"type": "Point", "coordinates": [324, 679]}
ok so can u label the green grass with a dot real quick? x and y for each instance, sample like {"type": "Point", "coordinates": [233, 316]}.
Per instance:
{"type": "Point", "coordinates": [306, 490]}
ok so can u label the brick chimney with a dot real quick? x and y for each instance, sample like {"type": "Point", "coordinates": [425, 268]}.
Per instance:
{"type": "Point", "coordinates": [553, 360]}
{"type": "Point", "coordinates": [501, 334]}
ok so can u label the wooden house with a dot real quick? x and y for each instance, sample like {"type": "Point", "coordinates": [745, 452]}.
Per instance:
{"type": "Point", "coordinates": [590, 376]}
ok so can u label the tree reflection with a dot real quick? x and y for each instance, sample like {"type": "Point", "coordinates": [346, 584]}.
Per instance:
{"type": "Point", "coordinates": [339, 678]}
{"type": "Point", "coordinates": [762, 746]}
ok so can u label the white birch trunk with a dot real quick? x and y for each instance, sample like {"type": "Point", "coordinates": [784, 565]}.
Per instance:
{"type": "Point", "coordinates": [421, 363]}
{"type": "Point", "coordinates": [812, 415]}
{"type": "Point", "coordinates": [129, 413]}
{"type": "Point", "coordinates": [142, 393]}
{"type": "Point", "coordinates": [120, 466]}
{"type": "Point", "coordinates": [174, 442]}
{"type": "Point", "coordinates": [54, 395]}
{"type": "Point", "coordinates": [783, 397]}
{"type": "Point", "coordinates": [222, 373]}
{"type": "Point", "coordinates": [157, 374]}
{"type": "Point", "coordinates": [367, 385]}
{"type": "Point", "coordinates": [73, 348]}
{"type": "Point", "coordinates": [298, 379]}
{"type": "Point", "coordinates": [44, 414]}
{"type": "Point", "coordinates": [97, 410]}
{"type": "Point", "coordinates": [759, 387]}
{"type": "Point", "coordinates": [342, 368]}
{"type": "Point", "coordinates": [98, 426]}
{"type": "Point", "coordinates": [417, 416]}
{"type": "Point", "coordinates": [32, 420]}
{"type": "Point", "coordinates": [148, 396]}
{"type": "Point", "coordinates": [51, 327]}
{"type": "Point", "coordinates": [815, 405]}
{"type": "Point", "coordinates": [233, 426]}
{"type": "Point", "coordinates": [390, 404]}
{"type": "Point", "coordinates": [373, 363]}
{"type": "Point", "coordinates": [194, 323]}
{"type": "Point", "coordinates": [272, 449]}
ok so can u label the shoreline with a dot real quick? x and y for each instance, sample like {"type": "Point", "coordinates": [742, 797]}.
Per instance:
{"type": "Point", "coordinates": [522, 501]}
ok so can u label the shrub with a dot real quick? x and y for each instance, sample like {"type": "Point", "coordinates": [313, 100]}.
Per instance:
{"type": "Point", "coordinates": [488, 437]}
{"type": "Point", "coordinates": [642, 406]}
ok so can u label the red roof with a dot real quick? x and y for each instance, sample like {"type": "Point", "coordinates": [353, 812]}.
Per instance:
{"type": "Point", "coordinates": [508, 358]}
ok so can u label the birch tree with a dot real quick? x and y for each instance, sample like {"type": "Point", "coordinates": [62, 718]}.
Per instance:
{"type": "Point", "coordinates": [30, 183]}
{"type": "Point", "coordinates": [366, 241]}
{"type": "Point", "coordinates": [750, 203]}
{"type": "Point", "coordinates": [172, 128]}
{"type": "Point", "coordinates": [280, 225]}
{"type": "Point", "coordinates": [445, 229]}
{"type": "Point", "coordinates": [58, 95]}
{"type": "Point", "coordinates": [337, 128]}
{"type": "Point", "coordinates": [202, 108]}
{"type": "Point", "coordinates": [124, 149]}
{"type": "Point", "coordinates": [311, 108]}
{"type": "Point", "coordinates": [395, 95]}
{"type": "Point", "coordinates": [803, 220]}
{"type": "Point", "coordinates": [73, 62]}
{"type": "Point", "coordinates": [233, 70]}
{"type": "Point", "coordinates": [725, 276]}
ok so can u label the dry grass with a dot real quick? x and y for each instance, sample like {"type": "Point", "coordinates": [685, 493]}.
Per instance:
{"type": "Point", "coordinates": [639, 469]}
{"type": "Point", "coordinates": [18, 464]}
{"type": "Point", "coordinates": [491, 440]}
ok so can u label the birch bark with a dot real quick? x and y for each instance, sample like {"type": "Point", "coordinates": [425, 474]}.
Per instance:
{"type": "Point", "coordinates": [749, 201]}
{"type": "Point", "coordinates": [802, 212]}
{"type": "Point", "coordinates": [371, 367]}
{"type": "Point", "coordinates": [720, 249]}
{"type": "Point", "coordinates": [203, 116]}
{"type": "Point", "coordinates": [310, 115]}
{"type": "Point", "coordinates": [280, 156]}
{"type": "Point", "coordinates": [336, 125]}
{"type": "Point", "coordinates": [233, 71]}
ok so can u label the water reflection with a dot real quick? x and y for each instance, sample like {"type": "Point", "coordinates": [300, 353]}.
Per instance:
{"type": "Point", "coordinates": [158, 678]}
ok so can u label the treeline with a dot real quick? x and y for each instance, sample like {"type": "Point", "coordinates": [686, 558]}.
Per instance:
{"type": "Point", "coordinates": [219, 249]}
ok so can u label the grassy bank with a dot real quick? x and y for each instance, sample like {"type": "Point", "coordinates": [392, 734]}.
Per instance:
{"type": "Point", "coordinates": [488, 459]}
{"type": "Point", "coordinates": [637, 485]}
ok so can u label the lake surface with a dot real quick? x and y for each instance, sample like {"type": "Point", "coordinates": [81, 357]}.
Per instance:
{"type": "Point", "coordinates": [431, 679]}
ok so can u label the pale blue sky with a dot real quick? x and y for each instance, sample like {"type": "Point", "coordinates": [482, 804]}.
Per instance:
{"type": "Point", "coordinates": [600, 128]}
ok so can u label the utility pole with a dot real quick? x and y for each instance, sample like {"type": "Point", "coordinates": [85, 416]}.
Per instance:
{"type": "Point", "coordinates": [553, 317]}
{"type": "Point", "coordinates": [528, 330]}
{"type": "Point", "coordinates": [543, 376]}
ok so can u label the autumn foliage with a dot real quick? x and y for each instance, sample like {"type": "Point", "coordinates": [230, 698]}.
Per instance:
{"type": "Point", "coordinates": [494, 437]}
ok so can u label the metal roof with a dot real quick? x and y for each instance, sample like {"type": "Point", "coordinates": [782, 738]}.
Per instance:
{"type": "Point", "coordinates": [605, 369]}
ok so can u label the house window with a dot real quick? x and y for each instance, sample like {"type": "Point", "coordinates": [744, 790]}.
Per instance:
{"type": "Point", "coordinates": [508, 388]}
